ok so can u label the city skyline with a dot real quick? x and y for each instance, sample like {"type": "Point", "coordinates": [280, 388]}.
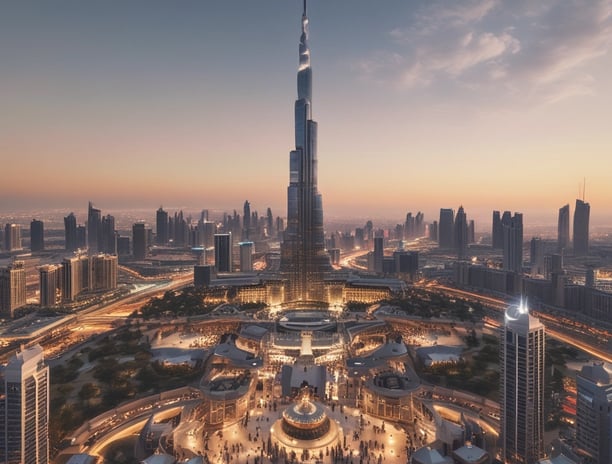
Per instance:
{"type": "Point", "coordinates": [109, 102]}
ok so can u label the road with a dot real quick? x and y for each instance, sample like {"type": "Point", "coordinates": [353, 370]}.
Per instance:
{"type": "Point", "coordinates": [101, 318]}
{"type": "Point", "coordinates": [574, 334]}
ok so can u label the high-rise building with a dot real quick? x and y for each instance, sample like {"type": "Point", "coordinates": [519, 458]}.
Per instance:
{"type": "Point", "coordinates": [269, 223]}
{"type": "Point", "coordinates": [594, 414]}
{"type": "Point", "coordinates": [70, 232]}
{"type": "Point", "coordinates": [378, 254]}
{"type": "Point", "coordinates": [202, 275]}
{"type": "Point", "coordinates": [497, 233]}
{"type": "Point", "coordinates": [75, 277]}
{"type": "Point", "coordinates": [139, 241]}
{"type": "Point", "coordinates": [103, 270]}
{"type": "Point", "coordinates": [161, 230]}
{"type": "Point", "coordinates": [581, 228]}
{"type": "Point", "coordinates": [37, 235]}
{"type": "Point", "coordinates": [50, 284]}
{"type": "Point", "coordinates": [471, 232]}
{"type": "Point", "coordinates": [409, 226]}
{"type": "Point", "coordinates": [461, 233]}
{"type": "Point", "coordinates": [563, 228]}
{"type": "Point", "coordinates": [12, 288]}
{"type": "Point", "coordinates": [246, 256]}
{"type": "Point", "coordinates": [446, 228]}
{"type": "Point", "coordinates": [12, 237]}
{"type": "Point", "coordinates": [94, 229]}
{"type": "Point", "coordinates": [536, 256]}
{"type": "Point", "coordinates": [246, 220]}
{"type": "Point", "coordinates": [303, 256]}
{"type": "Point", "coordinates": [24, 406]}
{"type": "Point", "coordinates": [223, 252]}
{"type": "Point", "coordinates": [82, 236]}
{"type": "Point", "coordinates": [513, 242]}
{"type": "Point", "coordinates": [433, 231]}
{"type": "Point", "coordinates": [522, 386]}
{"type": "Point", "coordinates": [178, 230]}
{"type": "Point", "coordinates": [108, 239]}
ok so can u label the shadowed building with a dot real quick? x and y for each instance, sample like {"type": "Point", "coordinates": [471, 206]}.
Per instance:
{"type": "Point", "coordinates": [70, 232]}
{"type": "Point", "coordinates": [37, 235]}
{"type": "Point", "coordinates": [563, 228]}
{"type": "Point", "coordinates": [139, 241]}
{"type": "Point", "coordinates": [161, 231]}
{"type": "Point", "coordinates": [223, 252]}
{"type": "Point", "coordinates": [513, 242]}
{"type": "Point", "coordinates": [446, 227]}
{"type": "Point", "coordinates": [94, 228]}
{"type": "Point", "coordinates": [593, 414]}
{"type": "Point", "coordinates": [461, 233]}
{"type": "Point", "coordinates": [581, 228]}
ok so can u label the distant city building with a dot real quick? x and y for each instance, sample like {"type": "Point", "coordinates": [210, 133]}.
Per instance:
{"type": "Point", "coordinates": [223, 252]}
{"type": "Point", "coordinates": [246, 256]}
{"type": "Point", "coordinates": [407, 263]}
{"type": "Point", "coordinates": [522, 387]}
{"type": "Point", "coordinates": [446, 228]}
{"type": "Point", "coordinates": [409, 227]}
{"type": "Point", "coordinates": [24, 409]}
{"type": "Point", "coordinates": [581, 228]}
{"type": "Point", "coordinates": [123, 246]}
{"type": "Point", "coordinates": [594, 415]}
{"type": "Point", "coordinates": [178, 230]}
{"type": "Point", "coordinates": [513, 242]}
{"type": "Point", "coordinates": [460, 233]}
{"type": "Point", "coordinates": [246, 220]}
{"type": "Point", "coordinates": [270, 224]}
{"type": "Point", "coordinates": [12, 288]}
{"type": "Point", "coordinates": [75, 277]}
{"type": "Point", "coordinates": [94, 229]}
{"type": "Point", "coordinates": [12, 237]}
{"type": "Point", "coordinates": [161, 229]}
{"type": "Point", "coordinates": [497, 234]}
{"type": "Point", "coordinates": [81, 237]}
{"type": "Point", "coordinates": [108, 239]}
{"type": "Point", "coordinates": [202, 275]}
{"type": "Point", "coordinates": [471, 231]}
{"type": "Point", "coordinates": [70, 233]}
{"type": "Point", "coordinates": [103, 271]}
{"type": "Point", "coordinates": [50, 284]}
{"type": "Point", "coordinates": [536, 258]}
{"type": "Point", "coordinates": [563, 228]}
{"type": "Point", "coordinates": [37, 235]}
{"type": "Point", "coordinates": [378, 255]}
{"type": "Point", "coordinates": [139, 241]}
{"type": "Point", "coordinates": [433, 231]}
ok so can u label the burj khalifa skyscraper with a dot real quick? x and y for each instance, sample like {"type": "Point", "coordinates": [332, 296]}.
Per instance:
{"type": "Point", "coordinates": [304, 260]}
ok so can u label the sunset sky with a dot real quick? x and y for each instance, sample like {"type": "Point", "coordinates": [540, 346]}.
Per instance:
{"type": "Point", "coordinates": [420, 104]}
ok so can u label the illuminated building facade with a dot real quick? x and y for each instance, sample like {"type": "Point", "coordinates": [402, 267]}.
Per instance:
{"type": "Point", "coordinates": [12, 288]}
{"type": "Point", "coordinates": [522, 387]}
{"type": "Point", "coordinates": [303, 257]}
{"type": "Point", "coordinates": [24, 409]}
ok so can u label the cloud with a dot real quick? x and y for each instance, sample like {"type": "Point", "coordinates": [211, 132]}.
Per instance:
{"type": "Point", "coordinates": [491, 45]}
